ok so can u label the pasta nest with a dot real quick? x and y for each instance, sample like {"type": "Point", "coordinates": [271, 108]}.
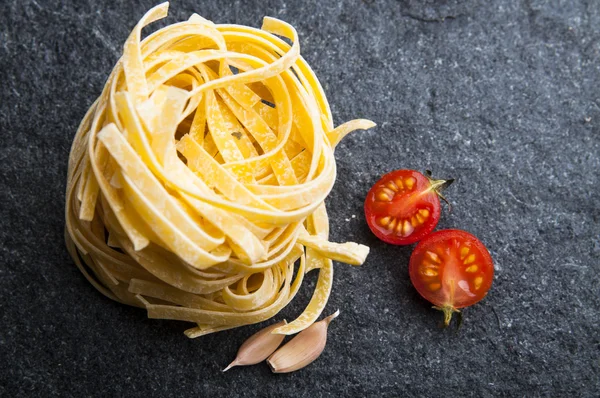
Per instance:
{"type": "Point", "coordinates": [197, 179]}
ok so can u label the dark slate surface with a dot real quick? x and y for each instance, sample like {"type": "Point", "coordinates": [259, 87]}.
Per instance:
{"type": "Point", "coordinates": [503, 95]}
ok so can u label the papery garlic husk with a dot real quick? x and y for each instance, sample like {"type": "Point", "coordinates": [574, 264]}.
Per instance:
{"type": "Point", "coordinates": [258, 347]}
{"type": "Point", "coordinates": [302, 349]}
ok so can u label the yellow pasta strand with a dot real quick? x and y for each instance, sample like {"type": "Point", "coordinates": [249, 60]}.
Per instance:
{"type": "Point", "coordinates": [197, 179]}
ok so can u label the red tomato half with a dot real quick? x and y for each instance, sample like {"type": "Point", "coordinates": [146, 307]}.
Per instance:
{"type": "Point", "coordinates": [451, 269]}
{"type": "Point", "coordinates": [403, 207]}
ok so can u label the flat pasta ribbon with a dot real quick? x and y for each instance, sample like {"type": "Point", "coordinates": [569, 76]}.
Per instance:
{"type": "Point", "coordinates": [197, 179]}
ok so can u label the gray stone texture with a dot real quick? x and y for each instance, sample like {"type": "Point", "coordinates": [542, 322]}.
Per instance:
{"type": "Point", "coordinates": [503, 95]}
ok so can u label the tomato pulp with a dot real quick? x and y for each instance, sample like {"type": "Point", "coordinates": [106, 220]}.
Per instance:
{"type": "Point", "coordinates": [403, 206]}
{"type": "Point", "coordinates": [451, 269]}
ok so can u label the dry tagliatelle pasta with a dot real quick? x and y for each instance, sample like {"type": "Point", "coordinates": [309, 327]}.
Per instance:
{"type": "Point", "coordinates": [197, 179]}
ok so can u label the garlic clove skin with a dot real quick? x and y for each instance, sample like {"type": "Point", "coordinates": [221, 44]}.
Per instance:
{"type": "Point", "coordinates": [303, 349]}
{"type": "Point", "coordinates": [258, 347]}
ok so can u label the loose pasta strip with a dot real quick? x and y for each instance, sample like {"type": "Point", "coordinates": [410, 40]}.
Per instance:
{"type": "Point", "coordinates": [197, 179]}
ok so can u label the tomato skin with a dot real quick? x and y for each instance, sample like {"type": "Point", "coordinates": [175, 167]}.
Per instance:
{"type": "Point", "coordinates": [451, 269]}
{"type": "Point", "coordinates": [413, 202]}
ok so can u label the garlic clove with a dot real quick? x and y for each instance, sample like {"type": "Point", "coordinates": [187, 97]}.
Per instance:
{"type": "Point", "coordinates": [302, 349]}
{"type": "Point", "coordinates": [258, 347]}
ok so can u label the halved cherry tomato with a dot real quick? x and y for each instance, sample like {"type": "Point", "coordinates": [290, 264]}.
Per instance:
{"type": "Point", "coordinates": [403, 206]}
{"type": "Point", "coordinates": [451, 269]}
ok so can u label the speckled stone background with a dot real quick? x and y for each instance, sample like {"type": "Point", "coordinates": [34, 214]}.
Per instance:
{"type": "Point", "coordinates": [503, 95]}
